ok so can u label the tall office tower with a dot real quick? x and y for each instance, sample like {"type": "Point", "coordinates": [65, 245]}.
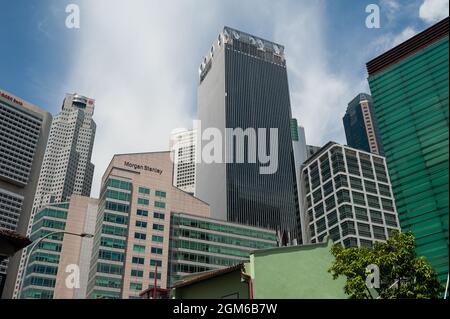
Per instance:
{"type": "Point", "coordinates": [24, 130]}
{"type": "Point", "coordinates": [244, 86]}
{"type": "Point", "coordinates": [199, 244]}
{"type": "Point", "coordinates": [409, 86]}
{"type": "Point", "coordinates": [67, 169]}
{"type": "Point", "coordinates": [62, 258]}
{"type": "Point", "coordinates": [133, 225]}
{"type": "Point", "coordinates": [182, 144]}
{"type": "Point", "coordinates": [348, 197]}
{"type": "Point", "coordinates": [361, 126]}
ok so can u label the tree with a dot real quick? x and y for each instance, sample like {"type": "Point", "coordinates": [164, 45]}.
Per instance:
{"type": "Point", "coordinates": [402, 274]}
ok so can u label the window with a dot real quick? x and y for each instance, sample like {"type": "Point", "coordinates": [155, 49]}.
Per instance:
{"type": "Point", "coordinates": [157, 215]}
{"type": "Point", "coordinates": [138, 260]}
{"type": "Point", "coordinates": [152, 275]}
{"type": "Point", "coordinates": [143, 202]}
{"type": "Point", "coordinates": [356, 183]}
{"type": "Point", "coordinates": [361, 214]}
{"type": "Point", "coordinates": [157, 251]}
{"type": "Point", "coordinates": [157, 239]}
{"type": "Point", "coordinates": [160, 205]}
{"type": "Point", "coordinates": [161, 194]}
{"type": "Point", "coordinates": [141, 224]}
{"type": "Point", "coordinates": [135, 286]}
{"type": "Point", "coordinates": [359, 199]}
{"type": "Point", "coordinates": [371, 187]}
{"type": "Point", "coordinates": [364, 230]}
{"type": "Point", "coordinates": [143, 190]}
{"type": "Point", "coordinates": [340, 181]}
{"type": "Point", "coordinates": [137, 273]}
{"type": "Point", "coordinates": [378, 232]}
{"type": "Point", "coordinates": [139, 249]}
{"type": "Point", "coordinates": [345, 211]}
{"type": "Point", "coordinates": [390, 219]}
{"type": "Point", "coordinates": [348, 228]}
{"type": "Point", "coordinates": [332, 219]}
{"type": "Point", "coordinates": [158, 227]}
{"type": "Point", "coordinates": [141, 212]}
{"type": "Point", "coordinates": [376, 217]}
{"type": "Point", "coordinates": [387, 205]}
{"type": "Point", "coordinates": [319, 210]}
{"type": "Point", "coordinates": [155, 262]}
{"type": "Point", "coordinates": [140, 236]}
{"type": "Point", "coordinates": [330, 203]}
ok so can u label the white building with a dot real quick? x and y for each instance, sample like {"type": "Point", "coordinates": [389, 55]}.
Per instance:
{"type": "Point", "coordinates": [347, 196]}
{"type": "Point", "coordinates": [182, 144]}
{"type": "Point", "coordinates": [66, 169]}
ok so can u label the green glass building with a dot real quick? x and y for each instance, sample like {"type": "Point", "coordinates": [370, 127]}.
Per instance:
{"type": "Point", "coordinates": [42, 268]}
{"type": "Point", "coordinates": [410, 87]}
{"type": "Point", "coordinates": [199, 244]}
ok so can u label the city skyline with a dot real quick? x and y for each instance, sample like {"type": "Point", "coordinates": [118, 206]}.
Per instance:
{"type": "Point", "coordinates": [207, 167]}
{"type": "Point", "coordinates": [154, 80]}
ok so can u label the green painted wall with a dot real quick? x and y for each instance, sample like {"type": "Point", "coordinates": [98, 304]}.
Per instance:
{"type": "Point", "coordinates": [215, 288]}
{"type": "Point", "coordinates": [411, 102]}
{"type": "Point", "coordinates": [299, 272]}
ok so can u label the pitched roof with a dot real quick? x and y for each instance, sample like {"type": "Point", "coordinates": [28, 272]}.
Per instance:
{"type": "Point", "coordinates": [189, 280]}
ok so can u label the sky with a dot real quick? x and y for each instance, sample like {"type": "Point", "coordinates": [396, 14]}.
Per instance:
{"type": "Point", "coordinates": [139, 59]}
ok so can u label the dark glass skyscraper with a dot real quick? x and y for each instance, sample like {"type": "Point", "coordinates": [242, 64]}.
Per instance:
{"type": "Point", "coordinates": [361, 127]}
{"type": "Point", "coordinates": [244, 84]}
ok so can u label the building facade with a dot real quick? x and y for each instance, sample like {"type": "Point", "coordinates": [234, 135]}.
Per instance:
{"type": "Point", "coordinates": [244, 86]}
{"type": "Point", "coordinates": [348, 197]}
{"type": "Point", "coordinates": [199, 244]}
{"type": "Point", "coordinates": [361, 126]}
{"type": "Point", "coordinates": [131, 243]}
{"type": "Point", "coordinates": [66, 169]}
{"type": "Point", "coordinates": [24, 130]}
{"type": "Point", "coordinates": [56, 259]}
{"type": "Point", "coordinates": [409, 86]}
{"type": "Point", "coordinates": [182, 144]}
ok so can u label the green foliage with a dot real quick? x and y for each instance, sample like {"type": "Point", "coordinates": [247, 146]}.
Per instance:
{"type": "Point", "coordinates": [402, 273]}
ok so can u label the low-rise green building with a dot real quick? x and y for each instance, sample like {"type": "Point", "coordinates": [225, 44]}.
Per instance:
{"type": "Point", "coordinates": [295, 272]}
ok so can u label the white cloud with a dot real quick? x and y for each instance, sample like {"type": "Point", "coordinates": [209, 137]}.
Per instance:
{"type": "Point", "coordinates": [406, 34]}
{"type": "Point", "coordinates": [432, 11]}
{"type": "Point", "coordinates": [390, 8]}
{"type": "Point", "coordinates": [389, 40]}
{"type": "Point", "coordinates": [139, 60]}
{"type": "Point", "coordinates": [319, 97]}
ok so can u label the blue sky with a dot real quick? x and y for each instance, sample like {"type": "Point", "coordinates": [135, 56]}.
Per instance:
{"type": "Point", "coordinates": [139, 58]}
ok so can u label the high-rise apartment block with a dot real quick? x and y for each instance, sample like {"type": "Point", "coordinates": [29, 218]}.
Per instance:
{"type": "Point", "coordinates": [244, 89]}
{"type": "Point", "coordinates": [409, 86]}
{"type": "Point", "coordinates": [182, 144]}
{"type": "Point", "coordinates": [24, 130]}
{"type": "Point", "coordinates": [58, 267]}
{"type": "Point", "coordinates": [361, 126]}
{"type": "Point", "coordinates": [348, 197]}
{"type": "Point", "coordinates": [66, 169]}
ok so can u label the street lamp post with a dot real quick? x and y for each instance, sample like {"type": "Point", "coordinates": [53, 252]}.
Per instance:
{"type": "Point", "coordinates": [82, 235]}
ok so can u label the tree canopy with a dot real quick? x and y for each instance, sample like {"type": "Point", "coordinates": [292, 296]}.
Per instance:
{"type": "Point", "coordinates": [402, 274]}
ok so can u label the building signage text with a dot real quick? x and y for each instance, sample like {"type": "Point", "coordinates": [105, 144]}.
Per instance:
{"type": "Point", "coordinates": [140, 167]}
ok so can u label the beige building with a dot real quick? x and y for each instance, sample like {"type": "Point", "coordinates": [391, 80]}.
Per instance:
{"type": "Point", "coordinates": [58, 267]}
{"type": "Point", "coordinates": [133, 225]}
